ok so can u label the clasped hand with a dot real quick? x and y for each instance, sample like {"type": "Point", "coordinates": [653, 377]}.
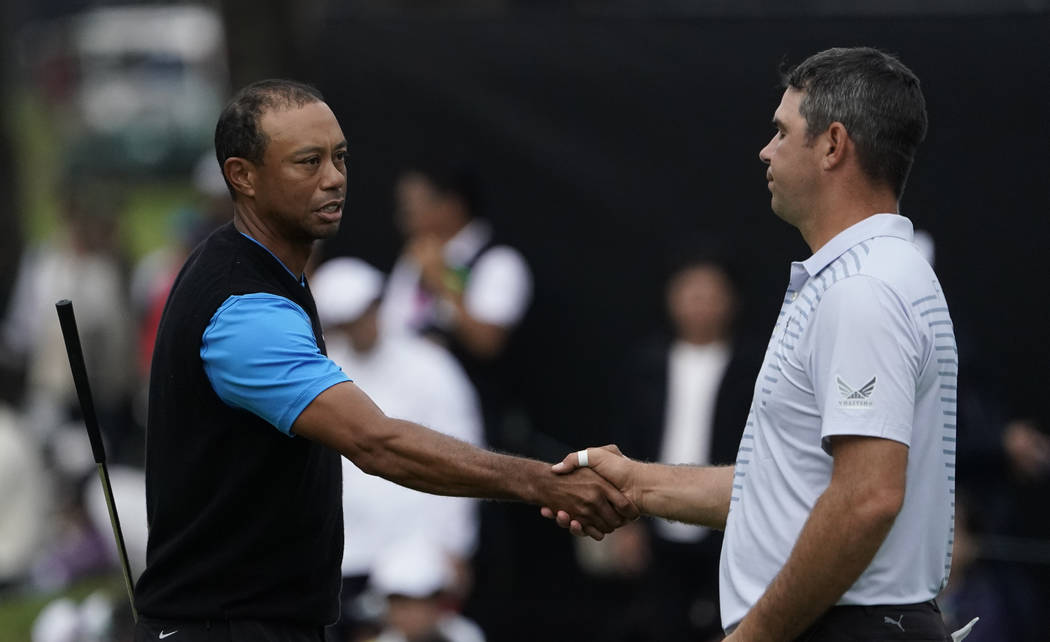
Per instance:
{"type": "Point", "coordinates": [614, 467]}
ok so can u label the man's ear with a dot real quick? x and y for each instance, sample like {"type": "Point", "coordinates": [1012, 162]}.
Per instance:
{"type": "Point", "coordinates": [240, 172]}
{"type": "Point", "coordinates": [836, 139]}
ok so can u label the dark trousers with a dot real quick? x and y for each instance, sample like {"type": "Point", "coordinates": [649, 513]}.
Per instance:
{"type": "Point", "coordinates": [148, 630]}
{"type": "Point", "coordinates": [912, 622]}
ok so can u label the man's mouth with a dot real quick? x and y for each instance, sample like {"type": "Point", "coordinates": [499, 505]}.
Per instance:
{"type": "Point", "coordinates": [331, 210]}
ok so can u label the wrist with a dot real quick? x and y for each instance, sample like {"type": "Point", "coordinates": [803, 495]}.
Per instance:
{"type": "Point", "coordinates": [530, 484]}
{"type": "Point", "coordinates": [634, 490]}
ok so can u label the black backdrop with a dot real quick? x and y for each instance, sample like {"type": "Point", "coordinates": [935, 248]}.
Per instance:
{"type": "Point", "coordinates": [608, 144]}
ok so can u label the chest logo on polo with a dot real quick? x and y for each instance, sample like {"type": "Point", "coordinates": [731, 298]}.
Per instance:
{"type": "Point", "coordinates": [850, 397]}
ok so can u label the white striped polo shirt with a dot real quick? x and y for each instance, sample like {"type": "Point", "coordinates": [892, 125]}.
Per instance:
{"type": "Point", "coordinates": [864, 346]}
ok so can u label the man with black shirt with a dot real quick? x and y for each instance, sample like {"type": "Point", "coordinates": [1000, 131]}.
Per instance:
{"type": "Point", "coordinates": [248, 417]}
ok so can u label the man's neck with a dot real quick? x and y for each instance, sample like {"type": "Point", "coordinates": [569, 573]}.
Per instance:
{"type": "Point", "coordinates": [292, 254]}
{"type": "Point", "coordinates": [703, 338]}
{"type": "Point", "coordinates": [844, 210]}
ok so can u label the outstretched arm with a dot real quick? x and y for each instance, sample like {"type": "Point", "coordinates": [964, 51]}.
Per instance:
{"type": "Point", "coordinates": [345, 418]}
{"type": "Point", "coordinates": [691, 494]}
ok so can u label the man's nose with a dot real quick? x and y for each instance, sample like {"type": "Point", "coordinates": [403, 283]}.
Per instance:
{"type": "Point", "coordinates": [763, 154]}
{"type": "Point", "coordinates": [335, 175]}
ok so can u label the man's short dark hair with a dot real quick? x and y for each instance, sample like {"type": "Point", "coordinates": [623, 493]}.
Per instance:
{"type": "Point", "coordinates": [238, 134]}
{"type": "Point", "coordinates": [875, 97]}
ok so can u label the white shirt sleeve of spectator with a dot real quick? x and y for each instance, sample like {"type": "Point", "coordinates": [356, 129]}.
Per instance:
{"type": "Point", "coordinates": [500, 287]}
{"type": "Point", "coordinates": [866, 361]}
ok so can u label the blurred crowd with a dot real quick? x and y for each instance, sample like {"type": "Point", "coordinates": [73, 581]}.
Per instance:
{"type": "Point", "coordinates": [434, 342]}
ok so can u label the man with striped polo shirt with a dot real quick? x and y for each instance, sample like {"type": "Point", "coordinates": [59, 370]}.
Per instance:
{"type": "Point", "coordinates": [838, 510]}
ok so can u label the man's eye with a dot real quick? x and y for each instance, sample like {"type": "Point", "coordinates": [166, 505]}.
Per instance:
{"type": "Point", "coordinates": [313, 160]}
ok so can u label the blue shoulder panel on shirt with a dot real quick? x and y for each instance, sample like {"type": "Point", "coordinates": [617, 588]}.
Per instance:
{"type": "Point", "coordinates": [260, 354]}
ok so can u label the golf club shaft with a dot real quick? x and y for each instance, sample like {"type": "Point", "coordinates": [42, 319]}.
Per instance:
{"type": "Point", "coordinates": [87, 406]}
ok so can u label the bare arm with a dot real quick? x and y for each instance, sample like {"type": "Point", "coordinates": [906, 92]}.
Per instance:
{"type": "Point", "coordinates": [844, 531]}
{"type": "Point", "coordinates": [692, 494]}
{"type": "Point", "coordinates": [345, 418]}
{"type": "Point", "coordinates": [483, 340]}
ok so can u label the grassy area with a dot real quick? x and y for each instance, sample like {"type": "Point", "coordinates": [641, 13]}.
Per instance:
{"type": "Point", "coordinates": [146, 219]}
{"type": "Point", "coordinates": [38, 148]}
{"type": "Point", "coordinates": [18, 611]}
{"type": "Point", "coordinates": [147, 204]}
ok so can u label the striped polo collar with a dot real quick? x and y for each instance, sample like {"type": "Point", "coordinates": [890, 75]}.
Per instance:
{"type": "Point", "coordinates": [876, 225]}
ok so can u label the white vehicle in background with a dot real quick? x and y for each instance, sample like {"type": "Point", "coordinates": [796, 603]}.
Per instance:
{"type": "Point", "coordinates": [141, 85]}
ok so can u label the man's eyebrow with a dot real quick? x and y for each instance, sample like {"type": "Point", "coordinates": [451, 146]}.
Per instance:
{"type": "Point", "coordinates": [778, 124]}
{"type": "Point", "coordinates": [313, 149]}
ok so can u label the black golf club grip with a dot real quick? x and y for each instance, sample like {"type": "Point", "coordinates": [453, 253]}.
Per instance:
{"type": "Point", "coordinates": [80, 378]}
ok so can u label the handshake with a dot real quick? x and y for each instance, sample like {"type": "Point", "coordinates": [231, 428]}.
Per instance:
{"type": "Point", "coordinates": [621, 489]}
{"type": "Point", "coordinates": [613, 472]}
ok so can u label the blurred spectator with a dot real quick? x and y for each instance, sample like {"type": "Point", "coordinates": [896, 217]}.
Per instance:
{"type": "Point", "coordinates": [1004, 473]}
{"type": "Point", "coordinates": [153, 276]}
{"type": "Point", "coordinates": [977, 587]}
{"type": "Point", "coordinates": [24, 502]}
{"type": "Point", "coordinates": [129, 497]}
{"type": "Point", "coordinates": [96, 619]}
{"type": "Point", "coordinates": [80, 262]}
{"type": "Point", "coordinates": [414, 576]}
{"type": "Point", "coordinates": [457, 284]}
{"type": "Point", "coordinates": [1027, 451]}
{"type": "Point", "coordinates": [1023, 537]}
{"type": "Point", "coordinates": [409, 378]}
{"type": "Point", "coordinates": [454, 283]}
{"type": "Point", "coordinates": [686, 401]}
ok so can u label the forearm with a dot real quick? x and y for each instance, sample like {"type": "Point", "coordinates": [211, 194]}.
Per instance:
{"type": "Point", "coordinates": [429, 461]}
{"type": "Point", "coordinates": [691, 494]}
{"type": "Point", "coordinates": [345, 419]}
{"type": "Point", "coordinates": [837, 543]}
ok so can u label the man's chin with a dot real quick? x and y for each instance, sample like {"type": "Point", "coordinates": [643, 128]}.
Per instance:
{"type": "Point", "coordinates": [326, 229]}
{"type": "Point", "coordinates": [779, 209]}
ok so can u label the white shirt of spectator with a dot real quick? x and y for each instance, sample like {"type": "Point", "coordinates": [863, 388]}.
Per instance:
{"type": "Point", "coordinates": [693, 379]}
{"type": "Point", "coordinates": [413, 379]}
{"type": "Point", "coordinates": [498, 291]}
{"type": "Point", "coordinates": [864, 346]}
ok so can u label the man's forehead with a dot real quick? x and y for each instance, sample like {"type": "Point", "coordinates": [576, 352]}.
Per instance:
{"type": "Point", "coordinates": [791, 97]}
{"type": "Point", "coordinates": [311, 119]}
{"type": "Point", "coordinates": [789, 104]}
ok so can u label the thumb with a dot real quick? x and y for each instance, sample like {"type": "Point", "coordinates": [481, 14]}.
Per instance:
{"type": "Point", "coordinates": [567, 465]}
